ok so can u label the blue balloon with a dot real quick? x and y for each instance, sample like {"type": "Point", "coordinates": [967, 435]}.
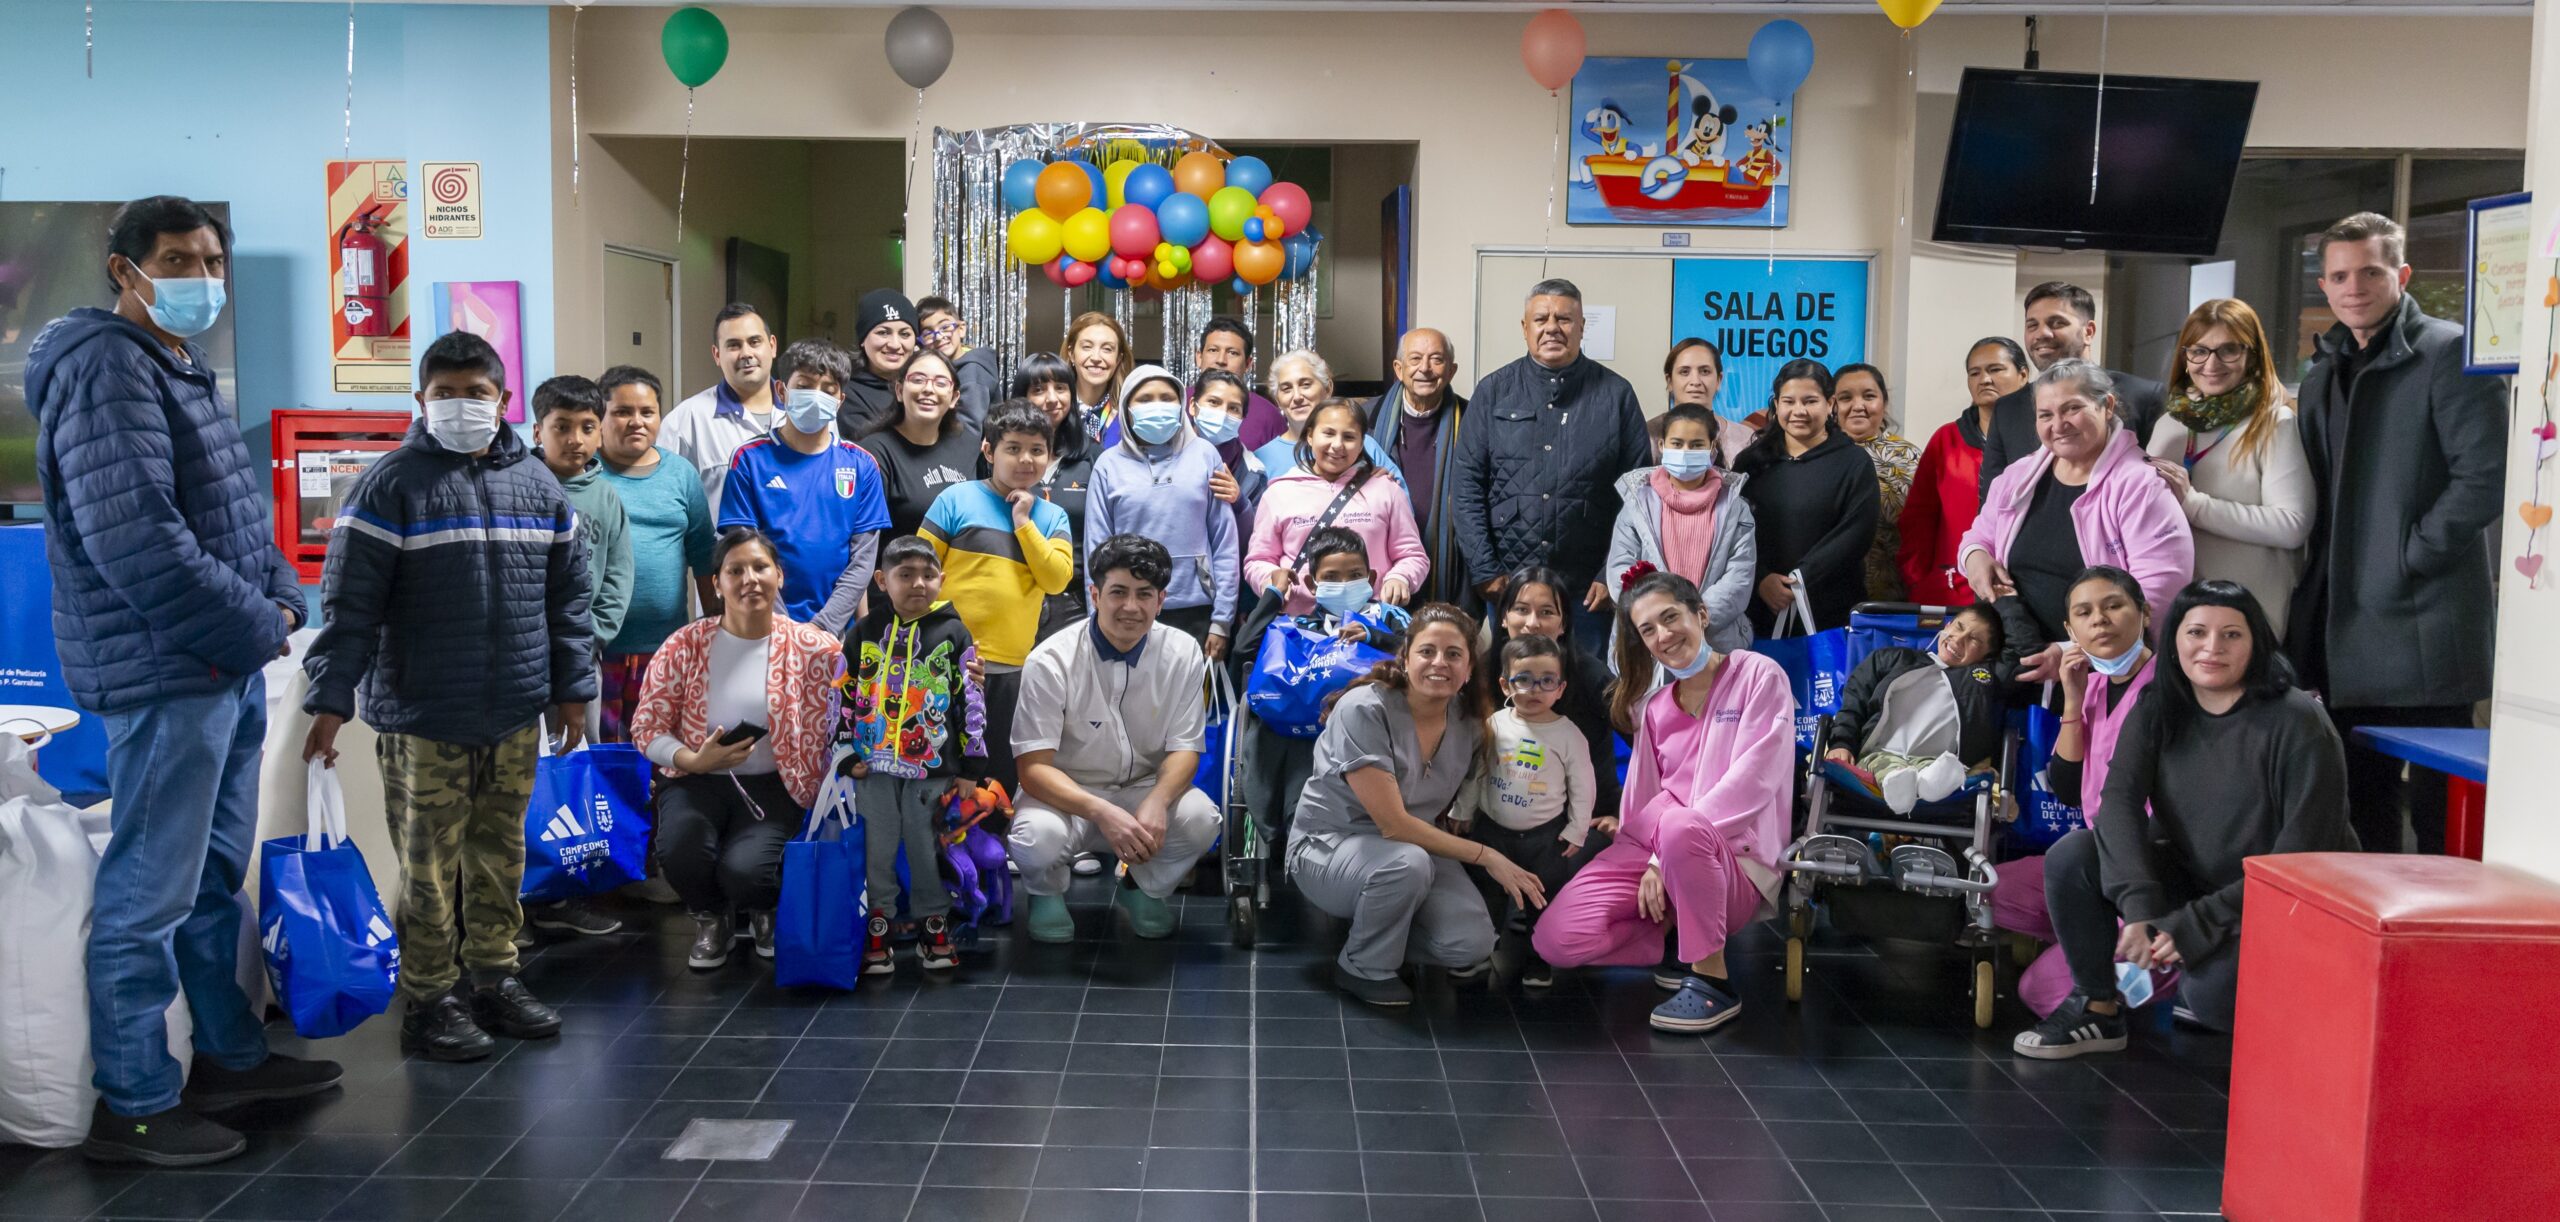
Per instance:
{"type": "Point", "coordinates": [1300, 248]}
{"type": "Point", "coordinates": [1781, 57]}
{"type": "Point", "coordinates": [1253, 229]}
{"type": "Point", "coordinates": [1021, 186]}
{"type": "Point", "coordinates": [1181, 217]}
{"type": "Point", "coordinates": [1250, 173]}
{"type": "Point", "coordinates": [1147, 186]}
{"type": "Point", "coordinates": [1101, 193]}
{"type": "Point", "coordinates": [1107, 278]}
{"type": "Point", "coordinates": [1240, 288]}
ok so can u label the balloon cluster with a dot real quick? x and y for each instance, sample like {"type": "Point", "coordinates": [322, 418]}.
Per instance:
{"type": "Point", "coordinates": [1140, 225]}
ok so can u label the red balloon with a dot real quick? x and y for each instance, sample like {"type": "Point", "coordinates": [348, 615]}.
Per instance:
{"type": "Point", "coordinates": [1289, 202]}
{"type": "Point", "coordinates": [1551, 48]}
{"type": "Point", "coordinates": [1133, 231]}
{"type": "Point", "coordinates": [1213, 260]}
{"type": "Point", "coordinates": [1056, 270]}
{"type": "Point", "coordinates": [1080, 275]}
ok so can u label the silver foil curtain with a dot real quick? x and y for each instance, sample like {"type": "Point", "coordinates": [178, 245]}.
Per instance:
{"type": "Point", "coordinates": [970, 264]}
{"type": "Point", "coordinates": [1293, 313]}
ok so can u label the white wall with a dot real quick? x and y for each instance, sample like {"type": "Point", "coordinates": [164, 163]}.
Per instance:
{"type": "Point", "coordinates": [1451, 84]}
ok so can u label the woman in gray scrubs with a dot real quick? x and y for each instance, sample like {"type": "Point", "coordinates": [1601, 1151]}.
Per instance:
{"type": "Point", "coordinates": [1365, 846]}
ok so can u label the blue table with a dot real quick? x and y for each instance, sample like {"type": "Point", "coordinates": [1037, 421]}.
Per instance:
{"type": "Point", "coordinates": [2462, 756]}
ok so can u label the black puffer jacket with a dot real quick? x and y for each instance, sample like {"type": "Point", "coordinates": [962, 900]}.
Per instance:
{"type": "Point", "coordinates": [1535, 481]}
{"type": "Point", "coordinates": [1976, 689]}
{"type": "Point", "coordinates": [456, 593]}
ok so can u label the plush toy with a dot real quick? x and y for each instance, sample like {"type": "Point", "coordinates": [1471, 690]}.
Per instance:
{"type": "Point", "coordinates": [973, 853]}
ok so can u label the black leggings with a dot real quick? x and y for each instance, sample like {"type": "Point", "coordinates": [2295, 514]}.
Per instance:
{"type": "Point", "coordinates": [720, 839]}
{"type": "Point", "coordinates": [1537, 850]}
{"type": "Point", "coordinates": [2086, 923]}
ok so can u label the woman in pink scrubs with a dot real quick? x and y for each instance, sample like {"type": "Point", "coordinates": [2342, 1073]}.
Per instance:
{"type": "Point", "coordinates": [1704, 811]}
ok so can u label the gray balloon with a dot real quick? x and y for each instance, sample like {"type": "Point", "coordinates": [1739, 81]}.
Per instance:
{"type": "Point", "coordinates": [918, 45]}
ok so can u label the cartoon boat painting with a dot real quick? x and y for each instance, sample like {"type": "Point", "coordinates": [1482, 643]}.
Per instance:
{"type": "Point", "coordinates": [1679, 179]}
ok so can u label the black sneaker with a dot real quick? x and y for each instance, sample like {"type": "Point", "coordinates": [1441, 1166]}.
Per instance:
{"type": "Point", "coordinates": [174, 1138]}
{"type": "Point", "coordinates": [1390, 993]}
{"type": "Point", "coordinates": [511, 1010]}
{"type": "Point", "coordinates": [877, 958]}
{"type": "Point", "coordinates": [934, 951]}
{"type": "Point", "coordinates": [711, 940]}
{"type": "Point", "coordinates": [211, 1088]}
{"type": "Point", "coordinates": [760, 925]}
{"type": "Point", "coordinates": [2072, 1029]}
{"type": "Point", "coordinates": [442, 1030]}
{"type": "Point", "coordinates": [1535, 974]}
{"type": "Point", "coordinates": [1471, 975]}
{"type": "Point", "coordinates": [572, 916]}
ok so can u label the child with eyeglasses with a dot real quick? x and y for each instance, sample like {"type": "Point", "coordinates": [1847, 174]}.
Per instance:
{"type": "Point", "coordinates": [1539, 790]}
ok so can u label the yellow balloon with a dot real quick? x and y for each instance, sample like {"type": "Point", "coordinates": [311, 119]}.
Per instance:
{"type": "Point", "coordinates": [1907, 13]}
{"type": "Point", "coordinates": [1033, 236]}
{"type": "Point", "coordinates": [1088, 236]}
{"type": "Point", "coordinates": [1113, 176]}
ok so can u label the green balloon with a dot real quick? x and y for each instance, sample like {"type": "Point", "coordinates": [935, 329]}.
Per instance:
{"type": "Point", "coordinates": [695, 44]}
{"type": "Point", "coordinates": [1229, 209]}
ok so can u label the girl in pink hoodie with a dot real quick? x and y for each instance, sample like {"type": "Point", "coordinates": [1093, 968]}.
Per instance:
{"type": "Point", "coordinates": [1704, 815]}
{"type": "Point", "coordinates": [1331, 460]}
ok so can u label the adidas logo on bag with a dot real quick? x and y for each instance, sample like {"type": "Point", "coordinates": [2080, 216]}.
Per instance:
{"type": "Point", "coordinates": [564, 826]}
{"type": "Point", "coordinates": [376, 930]}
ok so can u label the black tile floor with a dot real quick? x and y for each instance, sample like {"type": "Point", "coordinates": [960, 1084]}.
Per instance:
{"type": "Point", "coordinates": [1184, 1080]}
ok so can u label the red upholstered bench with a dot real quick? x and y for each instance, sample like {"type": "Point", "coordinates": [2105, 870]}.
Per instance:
{"type": "Point", "coordinates": [2397, 1045]}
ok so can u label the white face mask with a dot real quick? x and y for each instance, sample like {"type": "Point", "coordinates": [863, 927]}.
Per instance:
{"type": "Point", "coordinates": [464, 426]}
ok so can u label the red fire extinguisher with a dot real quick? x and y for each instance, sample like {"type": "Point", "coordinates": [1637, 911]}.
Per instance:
{"type": "Point", "coordinates": [364, 273]}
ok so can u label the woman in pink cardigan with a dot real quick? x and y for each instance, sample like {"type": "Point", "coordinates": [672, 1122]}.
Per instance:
{"type": "Point", "coordinates": [1703, 817]}
{"type": "Point", "coordinates": [1330, 456]}
{"type": "Point", "coordinates": [2088, 497]}
{"type": "Point", "coordinates": [726, 808]}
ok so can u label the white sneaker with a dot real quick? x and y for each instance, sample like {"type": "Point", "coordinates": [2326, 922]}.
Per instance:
{"type": "Point", "coordinates": [1942, 776]}
{"type": "Point", "coordinates": [1901, 789]}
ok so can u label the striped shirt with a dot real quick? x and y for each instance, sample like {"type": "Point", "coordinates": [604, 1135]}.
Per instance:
{"type": "Point", "coordinates": [993, 573]}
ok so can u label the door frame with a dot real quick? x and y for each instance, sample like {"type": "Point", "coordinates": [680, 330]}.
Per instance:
{"type": "Point", "coordinates": [675, 304]}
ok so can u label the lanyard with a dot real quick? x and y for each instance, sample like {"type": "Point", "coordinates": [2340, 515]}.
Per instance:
{"type": "Point", "coordinates": [2195, 455]}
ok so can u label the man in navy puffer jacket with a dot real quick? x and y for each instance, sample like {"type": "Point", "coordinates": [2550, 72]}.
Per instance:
{"type": "Point", "coordinates": [169, 597]}
{"type": "Point", "coordinates": [456, 596]}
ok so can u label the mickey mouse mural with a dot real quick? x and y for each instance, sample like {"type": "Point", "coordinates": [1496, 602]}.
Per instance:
{"type": "Point", "coordinates": [1695, 161]}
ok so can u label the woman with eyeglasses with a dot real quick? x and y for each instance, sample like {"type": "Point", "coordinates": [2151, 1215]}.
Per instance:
{"type": "Point", "coordinates": [920, 446]}
{"type": "Point", "coordinates": [2228, 450]}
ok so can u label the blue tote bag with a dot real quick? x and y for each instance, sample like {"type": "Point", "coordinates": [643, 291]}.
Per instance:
{"type": "Point", "coordinates": [1817, 666]}
{"type": "Point", "coordinates": [586, 830]}
{"type": "Point", "coordinates": [1296, 669]}
{"type": "Point", "coordinates": [818, 923]}
{"type": "Point", "coordinates": [2042, 817]}
{"type": "Point", "coordinates": [332, 954]}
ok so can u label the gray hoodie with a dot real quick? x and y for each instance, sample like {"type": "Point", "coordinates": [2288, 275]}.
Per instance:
{"type": "Point", "coordinates": [1726, 585]}
{"type": "Point", "coordinates": [606, 530]}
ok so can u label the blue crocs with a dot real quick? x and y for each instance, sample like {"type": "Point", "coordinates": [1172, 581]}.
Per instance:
{"type": "Point", "coordinates": [1698, 1007]}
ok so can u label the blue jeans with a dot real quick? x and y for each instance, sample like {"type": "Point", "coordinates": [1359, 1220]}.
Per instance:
{"type": "Point", "coordinates": [185, 778]}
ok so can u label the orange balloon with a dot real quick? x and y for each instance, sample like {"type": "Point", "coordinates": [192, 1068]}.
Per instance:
{"type": "Point", "coordinates": [1199, 174]}
{"type": "Point", "coordinates": [1062, 190]}
{"type": "Point", "coordinates": [1260, 263]}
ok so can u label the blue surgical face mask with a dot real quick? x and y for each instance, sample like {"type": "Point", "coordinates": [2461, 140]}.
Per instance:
{"type": "Point", "coordinates": [1216, 427]}
{"type": "Point", "coordinates": [1686, 465]}
{"type": "Point", "coordinates": [1155, 423]}
{"type": "Point", "coordinates": [811, 411]}
{"type": "Point", "coordinates": [2121, 665]}
{"type": "Point", "coordinates": [1696, 664]}
{"type": "Point", "coordinates": [184, 306]}
{"type": "Point", "coordinates": [1343, 598]}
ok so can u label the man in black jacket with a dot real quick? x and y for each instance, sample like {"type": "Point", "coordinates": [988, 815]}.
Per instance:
{"type": "Point", "coordinates": [2061, 323]}
{"type": "Point", "coordinates": [2393, 621]}
{"type": "Point", "coordinates": [1535, 481]}
{"type": "Point", "coordinates": [1417, 421]}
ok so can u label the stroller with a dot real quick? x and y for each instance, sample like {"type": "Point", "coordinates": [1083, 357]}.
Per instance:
{"type": "Point", "coordinates": [1243, 856]}
{"type": "Point", "coordinates": [1936, 883]}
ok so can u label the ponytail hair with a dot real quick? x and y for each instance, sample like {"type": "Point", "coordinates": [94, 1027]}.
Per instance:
{"type": "Point", "coordinates": [1634, 662]}
{"type": "Point", "coordinates": [1475, 699]}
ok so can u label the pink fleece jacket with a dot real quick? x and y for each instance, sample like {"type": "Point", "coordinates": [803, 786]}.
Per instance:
{"type": "Point", "coordinates": [1379, 514]}
{"type": "Point", "coordinates": [2126, 517]}
{"type": "Point", "coordinates": [1746, 761]}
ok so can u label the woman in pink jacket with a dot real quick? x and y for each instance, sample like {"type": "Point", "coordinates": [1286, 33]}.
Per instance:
{"type": "Point", "coordinates": [1704, 815]}
{"type": "Point", "coordinates": [2088, 497]}
{"type": "Point", "coordinates": [1330, 459]}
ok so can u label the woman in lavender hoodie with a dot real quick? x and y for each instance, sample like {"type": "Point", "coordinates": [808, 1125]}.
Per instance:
{"type": "Point", "coordinates": [2089, 497]}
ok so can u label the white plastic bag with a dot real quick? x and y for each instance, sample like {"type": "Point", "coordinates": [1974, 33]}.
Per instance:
{"type": "Point", "coordinates": [48, 872]}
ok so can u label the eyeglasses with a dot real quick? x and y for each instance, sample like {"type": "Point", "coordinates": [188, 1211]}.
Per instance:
{"type": "Point", "coordinates": [928, 381]}
{"type": "Point", "coordinates": [944, 331]}
{"type": "Point", "coordinates": [2228, 354]}
{"type": "Point", "coordinates": [1534, 683]}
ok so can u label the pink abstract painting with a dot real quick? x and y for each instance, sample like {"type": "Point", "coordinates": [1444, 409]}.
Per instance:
{"type": "Point", "coordinates": [494, 311]}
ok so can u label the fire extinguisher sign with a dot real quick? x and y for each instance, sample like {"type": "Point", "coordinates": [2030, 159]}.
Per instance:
{"type": "Point", "coordinates": [368, 218]}
{"type": "Point", "coordinates": [450, 202]}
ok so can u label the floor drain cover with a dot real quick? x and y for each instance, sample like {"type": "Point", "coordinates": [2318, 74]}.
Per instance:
{"type": "Point", "coordinates": [751, 1141]}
